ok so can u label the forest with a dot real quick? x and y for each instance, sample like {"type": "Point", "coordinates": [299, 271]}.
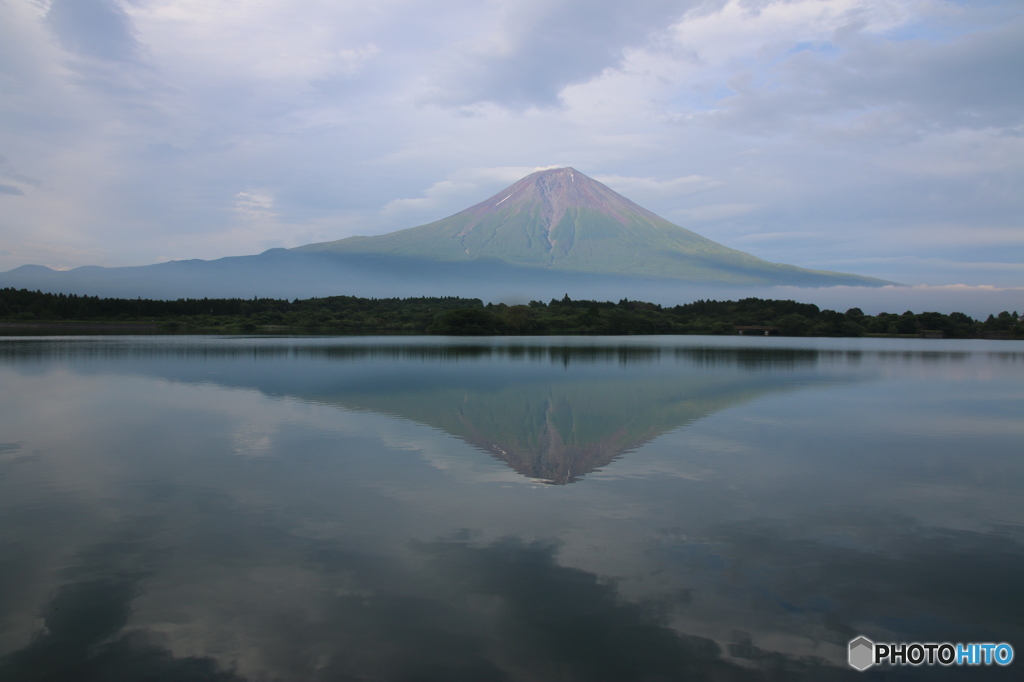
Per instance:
{"type": "Point", "coordinates": [464, 316]}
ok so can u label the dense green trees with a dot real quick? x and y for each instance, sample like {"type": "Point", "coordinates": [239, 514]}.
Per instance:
{"type": "Point", "coordinates": [566, 316]}
{"type": "Point", "coordinates": [463, 316]}
{"type": "Point", "coordinates": [340, 314]}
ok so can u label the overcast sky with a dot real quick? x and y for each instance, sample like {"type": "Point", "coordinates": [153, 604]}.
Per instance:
{"type": "Point", "coordinates": [880, 137]}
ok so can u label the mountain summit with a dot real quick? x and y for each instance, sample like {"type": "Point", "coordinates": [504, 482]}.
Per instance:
{"type": "Point", "coordinates": [560, 219]}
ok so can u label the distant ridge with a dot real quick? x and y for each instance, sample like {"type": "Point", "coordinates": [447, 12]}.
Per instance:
{"type": "Point", "coordinates": [563, 220]}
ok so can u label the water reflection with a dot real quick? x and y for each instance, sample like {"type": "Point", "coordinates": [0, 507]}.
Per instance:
{"type": "Point", "coordinates": [559, 431]}
{"type": "Point", "coordinates": [552, 428]}
{"type": "Point", "coordinates": [219, 509]}
{"type": "Point", "coordinates": [540, 621]}
{"type": "Point", "coordinates": [84, 634]}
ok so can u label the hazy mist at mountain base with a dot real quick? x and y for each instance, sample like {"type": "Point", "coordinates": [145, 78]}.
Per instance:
{"type": "Point", "coordinates": [492, 282]}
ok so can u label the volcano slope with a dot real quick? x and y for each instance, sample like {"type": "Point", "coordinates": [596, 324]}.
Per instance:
{"type": "Point", "coordinates": [561, 220]}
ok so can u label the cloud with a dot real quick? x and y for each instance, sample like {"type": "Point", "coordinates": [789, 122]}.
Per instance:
{"type": "Point", "coordinates": [8, 172]}
{"type": "Point", "coordinates": [713, 212]}
{"type": "Point", "coordinates": [640, 189]}
{"type": "Point", "coordinates": [467, 187]}
{"type": "Point", "coordinates": [84, 634]}
{"type": "Point", "coordinates": [11, 190]}
{"type": "Point", "coordinates": [255, 204]}
{"type": "Point", "coordinates": [775, 237]}
{"type": "Point", "coordinates": [528, 51]}
{"type": "Point", "coordinates": [96, 28]}
{"type": "Point", "coordinates": [273, 43]}
{"type": "Point", "coordinates": [860, 82]}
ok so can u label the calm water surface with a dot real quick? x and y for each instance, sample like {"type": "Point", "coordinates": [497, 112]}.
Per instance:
{"type": "Point", "coordinates": [386, 509]}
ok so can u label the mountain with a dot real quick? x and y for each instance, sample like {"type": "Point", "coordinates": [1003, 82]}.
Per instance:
{"type": "Point", "coordinates": [553, 232]}
{"type": "Point", "coordinates": [560, 219]}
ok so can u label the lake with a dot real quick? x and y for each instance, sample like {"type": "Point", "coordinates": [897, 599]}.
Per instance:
{"type": "Point", "coordinates": [424, 508]}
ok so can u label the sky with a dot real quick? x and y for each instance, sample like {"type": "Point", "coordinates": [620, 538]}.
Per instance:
{"type": "Point", "coordinates": [884, 138]}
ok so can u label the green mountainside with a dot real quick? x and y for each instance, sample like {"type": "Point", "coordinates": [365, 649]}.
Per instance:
{"type": "Point", "coordinates": [562, 220]}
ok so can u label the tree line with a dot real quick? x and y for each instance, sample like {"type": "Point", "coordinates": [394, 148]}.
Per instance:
{"type": "Point", "coordinates": [465, 316]}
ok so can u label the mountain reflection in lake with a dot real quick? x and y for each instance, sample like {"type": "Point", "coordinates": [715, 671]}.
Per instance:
{"type": "Point", "coordinates": [567, 509]}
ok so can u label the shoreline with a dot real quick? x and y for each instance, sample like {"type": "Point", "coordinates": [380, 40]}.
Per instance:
{"type": "Point", "coordinates": [155, 329]}
{"type": "Point", "coordinates": [73, 326]}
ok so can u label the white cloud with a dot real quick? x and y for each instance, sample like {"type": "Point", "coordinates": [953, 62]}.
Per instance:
{"type": "Point", "coordinates": [449, 196]}
{"type": "Point", "coordinates": [255, 203]}
{"type": "Point", "coordinates": [640, 189]}
{"type": "Point", "coordinates": [264, 41]}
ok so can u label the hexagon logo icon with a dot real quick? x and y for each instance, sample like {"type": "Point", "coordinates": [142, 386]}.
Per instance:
{"type": "Point", "coordinates": [862, 653]}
